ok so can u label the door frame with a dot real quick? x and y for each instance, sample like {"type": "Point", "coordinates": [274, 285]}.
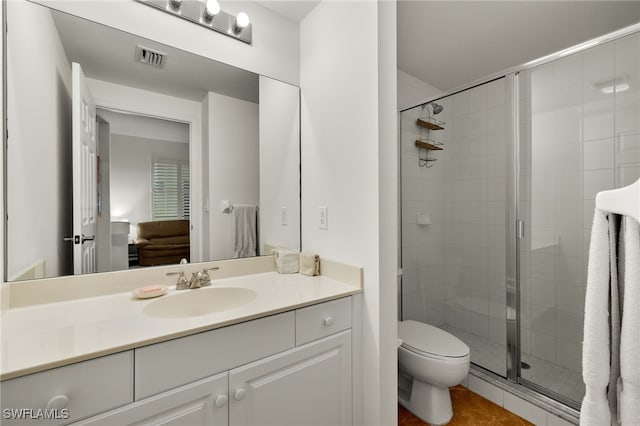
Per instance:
{"type": "Point", "coordinates": [109, 100]}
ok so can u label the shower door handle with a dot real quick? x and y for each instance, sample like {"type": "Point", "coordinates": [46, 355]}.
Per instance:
{"type": "Point", "coordinates": [519, 229]}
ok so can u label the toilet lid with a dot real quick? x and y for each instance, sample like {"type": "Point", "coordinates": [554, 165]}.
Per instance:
{"type": "Point", "coordinates": [426, 338]}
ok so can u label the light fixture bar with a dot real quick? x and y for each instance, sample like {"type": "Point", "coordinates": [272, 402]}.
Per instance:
{"type": "Point", "coordinates": [195, 11]}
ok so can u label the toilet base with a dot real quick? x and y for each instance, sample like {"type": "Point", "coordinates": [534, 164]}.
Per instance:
{"type": "Point", "coordinates": [429, 403]}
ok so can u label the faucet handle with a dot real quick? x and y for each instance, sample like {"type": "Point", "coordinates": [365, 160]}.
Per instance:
{"type": "Point", "coordinates": [206, 277]}
{"type": "Point", "coordinates": [182, 283]}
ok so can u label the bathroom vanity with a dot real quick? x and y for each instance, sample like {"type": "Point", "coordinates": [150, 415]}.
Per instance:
{"type": "Point", "coordinates": [284, 357]}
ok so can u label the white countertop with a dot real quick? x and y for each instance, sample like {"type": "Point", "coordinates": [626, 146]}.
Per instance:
{"type": "Point", "coordinates": [40, 337]}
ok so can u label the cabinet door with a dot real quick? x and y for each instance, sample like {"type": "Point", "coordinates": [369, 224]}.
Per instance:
{"type": "Point", "coordinates": [308, 385]}
{"type": "Point", "coordinates": [199, 403]}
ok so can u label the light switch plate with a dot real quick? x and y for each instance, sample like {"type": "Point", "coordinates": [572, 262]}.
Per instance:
{"type": "Point", "coordinates": [324, 218]}
{"type": "Point", "coordinates": [283, 216]}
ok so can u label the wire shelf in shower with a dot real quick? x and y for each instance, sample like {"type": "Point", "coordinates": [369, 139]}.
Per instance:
{"type": "Point", "coordinates": [430, 123]}
{"type": "Point", "coordinates": [429, 144]}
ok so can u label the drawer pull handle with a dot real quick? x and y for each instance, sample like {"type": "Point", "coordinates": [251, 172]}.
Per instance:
{"type": "Point", "coordinates": [221, 401]}
{"type": "Point", "coordinates": [58, 402]}
{"type": "Point", "coordinates": [328, 321]}
{"type": "Point", "coordinates": [239, 394]}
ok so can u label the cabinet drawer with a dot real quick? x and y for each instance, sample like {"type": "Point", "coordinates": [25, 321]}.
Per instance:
{"type": "Point", "coordinates": [167, 365]}
{"type": "Point", "coordinates": [84, 389]}
{"type": "Point", "coordinates": [317, 321]}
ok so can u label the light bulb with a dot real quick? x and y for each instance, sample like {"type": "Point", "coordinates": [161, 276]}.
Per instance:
{"type": "Point", "coordinates": [211, 9]}
{"type": "Point", "coordinates": [175, 4]}
{"type": "Point", "coordinates": [242, 20]}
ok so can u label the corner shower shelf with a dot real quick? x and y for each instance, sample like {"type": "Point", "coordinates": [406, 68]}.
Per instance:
{"type": "Point", "coordinates": [428, 124]}
{"type": "Point", "coordinates": [427, 145]}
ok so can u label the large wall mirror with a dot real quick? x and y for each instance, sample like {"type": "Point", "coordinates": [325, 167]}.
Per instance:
{"type": "Point", "coordinates": [126, 153]}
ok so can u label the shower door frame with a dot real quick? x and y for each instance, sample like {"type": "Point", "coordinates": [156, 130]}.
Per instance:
{"type": "Point", "coordinates": [551, 401]}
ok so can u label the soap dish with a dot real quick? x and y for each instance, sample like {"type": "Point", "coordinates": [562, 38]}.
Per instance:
{"type": "Point", "coordinates": [149, 291]}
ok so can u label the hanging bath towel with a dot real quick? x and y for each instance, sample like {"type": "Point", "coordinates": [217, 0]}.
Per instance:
{"type": "Point", "coordinates": [610, 361]}
{"type": "Point", "coordinates": [245, 231]}
{"type": "Point", "coordinates": [629, 385]}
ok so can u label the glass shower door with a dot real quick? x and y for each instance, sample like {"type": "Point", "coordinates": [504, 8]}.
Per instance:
{"type": "Point", "coordinates": [454, 222]}
{"type": "Point", "coordinates": [580, 134]}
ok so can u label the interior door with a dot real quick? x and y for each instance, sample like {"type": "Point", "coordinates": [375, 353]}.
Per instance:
{"type": "Point", "coordinates": [85, 206]}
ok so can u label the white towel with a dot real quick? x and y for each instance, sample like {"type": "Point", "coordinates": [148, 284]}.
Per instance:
{"type": "Point", "coordinates": [287, 261]}
{"type": "Point", "coordinates": [610, 360]}
{"type": "Point", "coordinates": [245, 235]}
{"type": "Point", "coordinates": [629, 399]}
{"type": "Point", "coordinates": [595, 348]}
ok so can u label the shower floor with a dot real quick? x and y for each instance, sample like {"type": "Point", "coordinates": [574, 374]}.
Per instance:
{"type": "Point", "coordinates": [549, 375]}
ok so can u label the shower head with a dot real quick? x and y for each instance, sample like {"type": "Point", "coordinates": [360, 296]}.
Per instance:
{"type": "Point", "coordinates": [437, 108]}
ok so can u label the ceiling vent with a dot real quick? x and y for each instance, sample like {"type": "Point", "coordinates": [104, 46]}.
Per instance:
{"type": "Point", "coordinates": [150, 57]}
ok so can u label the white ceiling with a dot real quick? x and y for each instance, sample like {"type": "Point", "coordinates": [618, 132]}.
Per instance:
{"type": "Point", "coordinates": [450, 43]}
{"type": "Point", "coordinates": [109, 54]}
{"type": "Point", "coordinates": [294, 10]}
{"type": "Point", "coordinates": [145, 127]}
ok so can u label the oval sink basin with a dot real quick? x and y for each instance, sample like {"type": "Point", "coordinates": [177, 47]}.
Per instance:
{"type": "Point", "coordinates": [193, 303]}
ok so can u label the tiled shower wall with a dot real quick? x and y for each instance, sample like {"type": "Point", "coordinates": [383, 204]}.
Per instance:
{"type": "Point", "coordinates": [577, 140]}
{"type": "Point", "coordinates": [454, 268]}
{"type": "Point", "coordinates": [423, 280]}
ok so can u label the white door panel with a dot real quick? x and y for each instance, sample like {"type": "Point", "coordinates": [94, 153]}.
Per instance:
{"type": "Point", "coordinates": [85, 184]}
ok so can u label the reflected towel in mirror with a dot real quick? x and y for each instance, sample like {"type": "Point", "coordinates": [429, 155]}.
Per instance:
{"type": "Point", "coordinates": [245, 230]}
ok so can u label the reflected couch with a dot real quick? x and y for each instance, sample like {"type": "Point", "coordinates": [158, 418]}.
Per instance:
{"type": "Point", "coordinates": [162, 242]}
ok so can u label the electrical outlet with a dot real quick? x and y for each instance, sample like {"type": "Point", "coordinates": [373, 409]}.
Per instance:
{"type": "Point", "coordinates": [283, 216]}
{"type": "Point", "coordinates": [324, 218]}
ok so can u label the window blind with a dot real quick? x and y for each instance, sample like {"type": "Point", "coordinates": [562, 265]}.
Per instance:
{"type": "Point", "coordinates": [170, 190]}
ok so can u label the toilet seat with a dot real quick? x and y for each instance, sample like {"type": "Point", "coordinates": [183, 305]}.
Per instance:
{"type": "Point", "coordinates": [430, 341]}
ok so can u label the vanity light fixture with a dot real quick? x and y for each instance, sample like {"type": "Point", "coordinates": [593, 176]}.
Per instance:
{"type": "Point", "coordinates": [211, 9]}
{"type": "Point", "coordinates": [241, 22]}
{"type": "Point", "coordinates": [174, 5]}
{"type": "Point", "coordinates": [207, 14]}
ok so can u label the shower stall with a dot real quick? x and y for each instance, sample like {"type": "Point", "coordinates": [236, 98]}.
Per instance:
{"type": "Point", "coordinates": [498, 194]}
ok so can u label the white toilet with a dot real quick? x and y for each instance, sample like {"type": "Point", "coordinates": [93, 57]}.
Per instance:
{"type": "Point", "coordinates": [433, 360]}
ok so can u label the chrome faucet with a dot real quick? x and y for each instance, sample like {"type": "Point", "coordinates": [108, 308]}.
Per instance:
{"type": "Point", "coordinates": [196, 280]}
{"type": "Point", "coordinates": [206, 278]}
{"type": "Point", "coordinates": [182, 283]}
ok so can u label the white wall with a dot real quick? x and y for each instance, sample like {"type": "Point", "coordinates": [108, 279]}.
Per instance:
{"type": "Point", "coordinates": [39, 174]}
{"type": "Point", "coordinates": [349, 155]}
{"type": "Point", "coordinates": [233, 165]}
{"type": "Point", "coordinates": [279, 163]}
{"type": "Point", "coordinates": [3, 304]}
{"type": "Point", "coordinates": [274, 52]}
{"type": "Point", "coordinates": [206, 213]}
{"type": "Point", "coordinates": [412, 91]}
{"type": "Point", "coordinates": [131, 159]}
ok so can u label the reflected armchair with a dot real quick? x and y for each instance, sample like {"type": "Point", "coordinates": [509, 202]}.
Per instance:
{"type": "Point", "coordinates": [162, 242]}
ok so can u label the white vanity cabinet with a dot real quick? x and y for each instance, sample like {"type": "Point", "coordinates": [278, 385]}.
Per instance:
{"type": "Point", "coordinates": [65, 394]}
{"type": "Point", "coordinates": [292, 368]}
{"type": "Point", "coordinates": [308, 385]}
{"type": "Point", "coordinates": [203, 402]}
